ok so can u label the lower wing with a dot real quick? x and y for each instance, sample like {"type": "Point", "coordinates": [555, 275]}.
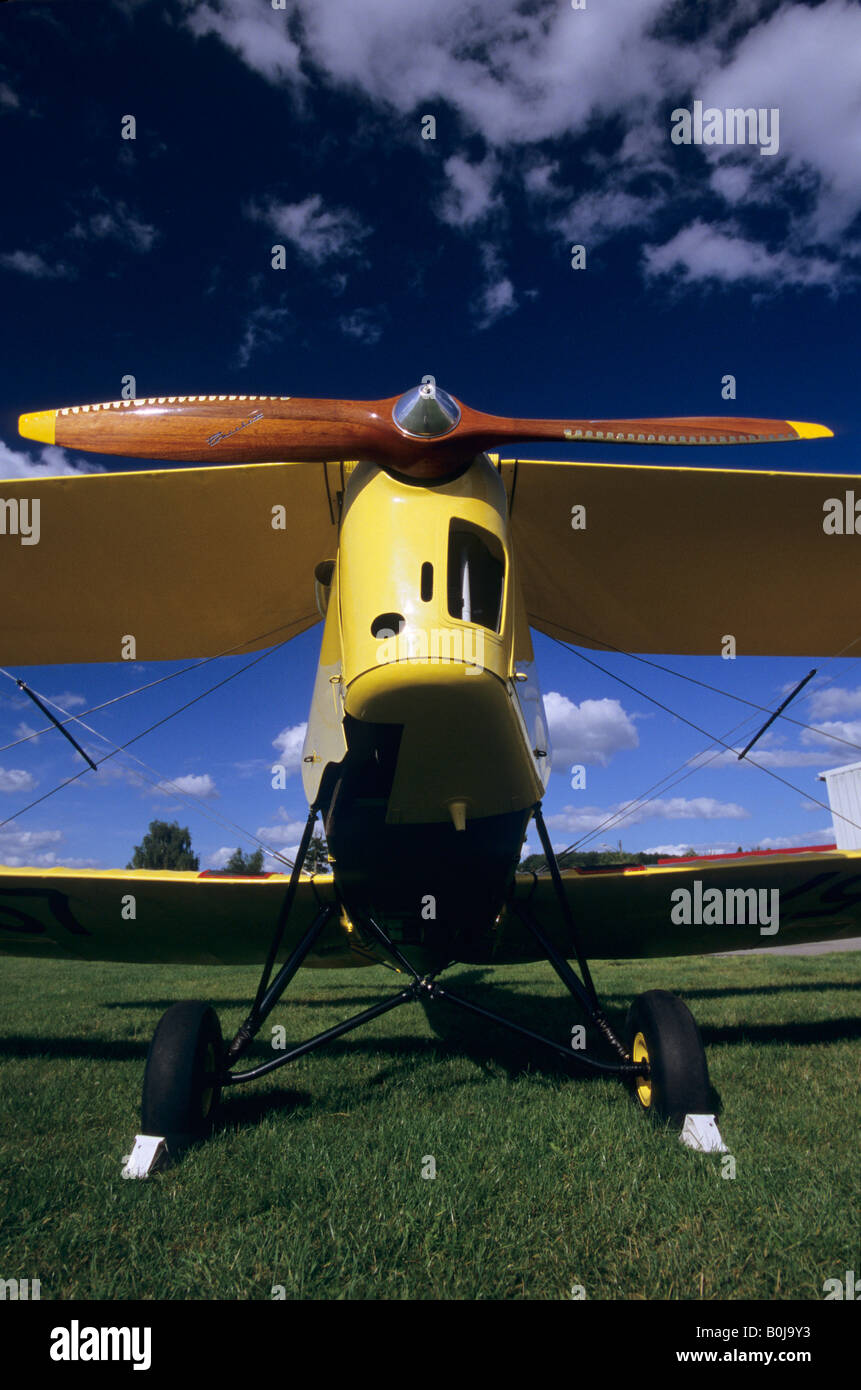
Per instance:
{"type": "Point", "coordinates": [151, 916]}
{"type": "Point", "coordinates": [693, 908]}
{"type": "Point", "coordinates": [668, 910]}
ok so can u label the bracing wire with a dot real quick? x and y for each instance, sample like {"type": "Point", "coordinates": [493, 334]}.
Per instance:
{"type": "Point", "coordinates": [713, 739]}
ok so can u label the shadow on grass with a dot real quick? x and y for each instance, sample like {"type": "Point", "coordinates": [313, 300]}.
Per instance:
{"type": "Point", "coordinates": [830, 1030]}
{"type": "Point", "coordinates": [726, 991]}
{"type": "Point", "coordinates": [287, 1001]}
{"type": "Point", "coordinates": [240, 1109]}
{"type": "Point", "coordinates": [361, 1001]}
{"type": "Point", "coordinates": [457, 1033]}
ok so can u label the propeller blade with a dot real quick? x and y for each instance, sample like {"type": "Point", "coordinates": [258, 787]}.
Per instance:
{"type": "Point", "coordinates": [216, 429]}
{"type": "Point", "coordinates": [692, 429]}
{"type": "Point", "coordinates": [424, 433]}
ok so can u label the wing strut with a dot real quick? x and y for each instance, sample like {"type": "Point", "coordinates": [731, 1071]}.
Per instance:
{"type": "Point", "coordinates": [791, 696]}
{"type": "Point", "coordinates": [22, 685]}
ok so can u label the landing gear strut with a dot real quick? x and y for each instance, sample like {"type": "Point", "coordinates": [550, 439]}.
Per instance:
{"type": "Point", "coordinates": [662, 1060]}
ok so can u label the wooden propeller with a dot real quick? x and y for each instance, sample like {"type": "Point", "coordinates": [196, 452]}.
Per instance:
{"type": "Point", "coordinates": [437, 436]}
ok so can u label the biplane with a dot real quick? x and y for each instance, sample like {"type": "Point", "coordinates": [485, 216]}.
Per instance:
{"type": "Point", "coordinates": [428, 559]}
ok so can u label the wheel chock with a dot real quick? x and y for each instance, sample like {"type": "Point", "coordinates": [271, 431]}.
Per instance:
{"type": "Point", "coordinates": [145, 1157]}
{"type": "Point", "coordinates": [700, 1132]}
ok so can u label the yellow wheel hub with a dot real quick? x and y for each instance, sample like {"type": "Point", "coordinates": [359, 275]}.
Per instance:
{"type": "Point", "coordinates": [640, 1053]}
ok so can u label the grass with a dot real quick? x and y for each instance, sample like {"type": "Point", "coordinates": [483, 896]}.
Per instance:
{"type": "Point", "coordinates": [543, 1182]}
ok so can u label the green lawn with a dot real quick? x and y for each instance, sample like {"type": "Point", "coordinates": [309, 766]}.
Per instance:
{"type": "Point", "coordinates": [315, 1183]}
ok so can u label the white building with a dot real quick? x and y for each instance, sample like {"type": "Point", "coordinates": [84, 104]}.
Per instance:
{"type": "Point", "coordinates": [844, 798]}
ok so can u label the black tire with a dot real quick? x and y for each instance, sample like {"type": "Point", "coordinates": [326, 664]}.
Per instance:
{"type": "Point", "coordinates": [181, 1088]}
{"type": "Point", "coordinates": [663, 1031]}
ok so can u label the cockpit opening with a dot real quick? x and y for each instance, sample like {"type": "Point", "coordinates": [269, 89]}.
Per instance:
{"type": "Point", "coordinates": [476, 575]}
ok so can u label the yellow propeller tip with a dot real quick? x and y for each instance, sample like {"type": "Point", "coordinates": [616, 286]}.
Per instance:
{"type": "Point", "coordinates": [39, 425]}
{"type": "Point", "coordinates": [805, 430]}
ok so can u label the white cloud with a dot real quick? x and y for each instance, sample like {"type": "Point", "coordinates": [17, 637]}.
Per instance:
{"type": "Point", "coordinates": [67, 699]}
{"type": "Point", "coordinates": [289, 745]}
{"type": "Point", "coordinates": [804, 61]}
{"type": "Point", "coordinates": [117, 223]}
{"type": "Point", "coordinates": [595, 215]}
{"type": "Point", "coordinates": [521, 77]}
{"type": "Point", "coordinates": [28, 847]}
{"type": "Point", "coordinates": [496, 297]}
{"type": "Point", "coordinates": [849, 729]}
{"type": "Point", "coordinates": [834, 699]}
{"type": "Point", "coordinates": [733, 182]}
{"type": "Point", "coordinates": [701, 251]}
{"type": "Point", "coordinates": [691, 808]}
{"type": "Point", "coordinates": [275, 862]}
{"type": "Point", "coordinates": [591, 732]}
{"type": "Point", "coordinates": [51, 462]}
{"type": "Point", "coordinates": [257, 33]}
{"type": "Point", "coordinates": [285, 835]}
{"type": "Point", "coordinates": [513, 76]}
{"type": "Point", "coordinates": [363, 324]}
{"type": "Point", "coordinates": [793, 757]}
{"type": "Point", "coordinates": [219, 858]}
{"type": "Point", "coordinates": [14, 779]}
{"type": "Point", "coordinates": [773, 756]}
{"type": "Point", "coordinates": [31, 263]}
{"type": "Point", "coordinates": [581, 818]}
{"type": "Point", "coordinates": [470, 194]}
{"type": "Point", "coordinates": [679, 850]}
{"type": "Point", "coordinates": [7, 96]}
{"type": "Point", "coordinates": [318, 233]}
{"type": "Point", "coordinates": [261, 330]}
{"type": "Point", "coordinates": [538, 178]}
{"type": "Point", "coordinates": [807, 837]}
{"type": "Point", "coordinates": [201, 785]}
{"type": "Point", "coordinates": [495, 300]}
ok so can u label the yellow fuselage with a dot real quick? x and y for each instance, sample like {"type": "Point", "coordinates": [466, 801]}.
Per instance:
{"type": "Point", "coordinates": [426, 746]}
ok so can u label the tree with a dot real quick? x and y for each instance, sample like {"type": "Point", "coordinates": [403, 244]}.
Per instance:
{"type": "Point", "coordinates": [316, 859]}
{"type": "Point", "coordinates": [586, 859]}
{"type": "Point", "coordinates": [240, 863]}
{"type": "Point", "coordinates": [166, 845]}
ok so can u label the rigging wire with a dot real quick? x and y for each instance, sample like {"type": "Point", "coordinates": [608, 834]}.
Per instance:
{"type": "Point", "coordinates": [716, 689]}
{"type": "Point", "coordinates": [119, 748]}
{"type": "Point", "coordinates": [711, 737]}
{"type": "Point", "coordinates": [165, 784]}
{"type": "Point", "coordinates": [93, 709]}
{"type": "Point", "coordinates": [665, 783]}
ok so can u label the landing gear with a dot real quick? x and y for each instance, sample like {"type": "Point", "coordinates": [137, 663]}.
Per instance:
{"type": "Point", "coordinates": [663, 1037]}
{"type": "Point", "coordinates": [425, 987]}
{"type": "Point", "coordinates": [182, 1081]}
{"type": "Point", "coordinates": [662, 1058]}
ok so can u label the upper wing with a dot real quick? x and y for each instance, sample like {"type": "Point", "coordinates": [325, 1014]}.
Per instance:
{"type": "Point", "coordinates": [629, 912]}
{"type": "Point", "coordinates": [673, 559]}
{"type": "Point", "coordinates": [186, 560]}
{"type": "Point", "coordinates": [163, 918]}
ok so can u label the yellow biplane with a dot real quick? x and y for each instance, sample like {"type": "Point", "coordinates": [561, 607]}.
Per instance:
{"type": "Point", "coordinates": [428, 559]}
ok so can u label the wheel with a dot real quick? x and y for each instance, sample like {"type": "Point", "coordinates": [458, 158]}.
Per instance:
{"type": "Point", "coordinates": [182, 1087]}
{"type": "Point", "coordinates": [662, 1031]}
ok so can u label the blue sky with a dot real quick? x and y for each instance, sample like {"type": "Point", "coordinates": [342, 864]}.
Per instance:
{"type": "Point", "coordinates": [302, 126]}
